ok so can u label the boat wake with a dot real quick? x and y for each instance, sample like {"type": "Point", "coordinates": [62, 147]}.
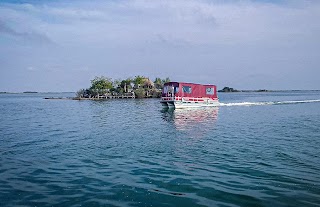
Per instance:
{"type": "Point", "coordinates": [267, 103]}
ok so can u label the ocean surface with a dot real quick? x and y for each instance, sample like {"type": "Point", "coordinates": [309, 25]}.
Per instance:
{"type": "Point", "coordinates": [256, 149]}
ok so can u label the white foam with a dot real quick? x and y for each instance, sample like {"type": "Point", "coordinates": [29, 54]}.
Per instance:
{"type": "Point", "coordinates": [267, 103]}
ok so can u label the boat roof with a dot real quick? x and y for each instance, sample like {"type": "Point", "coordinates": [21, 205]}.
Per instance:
{"type": "Point", "coordinates": [185, 83]}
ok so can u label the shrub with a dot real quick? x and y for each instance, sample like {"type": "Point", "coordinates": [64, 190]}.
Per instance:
{"type": "Point", "coordinates": [140, 93]}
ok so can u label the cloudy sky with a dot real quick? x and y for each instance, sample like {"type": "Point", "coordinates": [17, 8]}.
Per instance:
{"type": "Point", "coordinates": [246, 44]}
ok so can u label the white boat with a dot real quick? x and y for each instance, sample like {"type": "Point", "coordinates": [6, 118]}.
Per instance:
{"type": "Point", "coordinates": [186, 95]}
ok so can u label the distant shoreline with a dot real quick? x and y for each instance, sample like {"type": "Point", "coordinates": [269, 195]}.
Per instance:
{"type": "Point", "coordinates": [220, 91]}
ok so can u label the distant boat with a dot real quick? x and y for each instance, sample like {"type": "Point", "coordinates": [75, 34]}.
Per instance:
{"type": "Point", "coordinates": [185, 95]}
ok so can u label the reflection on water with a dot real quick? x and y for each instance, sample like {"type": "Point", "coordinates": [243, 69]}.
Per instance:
{"type": "Point", "coordinates": [194, 121]}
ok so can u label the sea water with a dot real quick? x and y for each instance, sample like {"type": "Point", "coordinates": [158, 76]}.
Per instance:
{"type": "Point", "coordinates": [256, 149]}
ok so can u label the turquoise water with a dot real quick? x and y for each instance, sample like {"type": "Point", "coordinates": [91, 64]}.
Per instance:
{"type": "Point", "coordinates": [255, 150]}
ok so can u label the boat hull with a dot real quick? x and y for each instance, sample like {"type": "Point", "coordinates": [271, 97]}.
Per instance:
{"type": "Point", "coordinates": [189, 104]}
{"type": "Point", "coordinates": [181, 105]}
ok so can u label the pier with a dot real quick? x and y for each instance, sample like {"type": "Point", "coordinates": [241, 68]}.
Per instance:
{"type": "Point", "coordinates": [103, 97]}
{"type": "Point", "coordinates": [106, 97]}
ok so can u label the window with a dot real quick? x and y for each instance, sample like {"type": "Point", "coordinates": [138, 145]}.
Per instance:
{"type": "Point", "coordinates": [165, 89]}
{"type": "Point", "coordinates": [186, 89]}
{"type": "Point", "coordinates": [209, 91]}
{"type": "Point", "coordinates": [176, 90]}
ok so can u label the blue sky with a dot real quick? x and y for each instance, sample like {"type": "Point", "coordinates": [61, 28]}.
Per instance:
{"type": "Point", "coordinates": [62, 45]}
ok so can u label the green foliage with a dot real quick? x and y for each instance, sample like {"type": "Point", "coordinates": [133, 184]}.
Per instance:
{"type": "Point", "coordinates": [140, 93]}
{"type": "Point", "coordinates": [166, 80]}
{"type": "Point", "coordinates": [116, 83]}
{"type": "Point", "coordinates": [138, 80]}
{"type": "Point", "coordinates": [155, 93]}
{"type": "Point", "coordinates": [228, 89]}
{"type": "Point", "coordinates": [126, 83]}
{"type": "Point", "coordinates": [101, 83]}
{"type": "Point", "coordinates": [81, 93]}
{"type": "Point", "coordinates": [158, 83]}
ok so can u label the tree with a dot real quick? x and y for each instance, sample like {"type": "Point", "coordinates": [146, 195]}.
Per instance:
{"type": "Point", "coordinates": [81, 93]}
{"type": "Point", "coordinates": [100, 85]}
{"type": "Point", "coordinates": [126, 84]}
{"type": "Point", "coordinates": [158, 83]}
{"type": "Point", "coordinates": [166, 80]}
{"type": "Point", "coordinates": [116, 83]}
{"type": "Point", "coordinates": [228, 89]}
{"type": "Point", "coordinates": [140, 93]}
{"type": "Point", "coordinates": [138, 80]}
{"type": "Point", "coordinates": [155, 93]}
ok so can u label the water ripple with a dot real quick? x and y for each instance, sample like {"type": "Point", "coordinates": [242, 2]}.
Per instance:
{"type": "Point", "coordinates": [133, 153]}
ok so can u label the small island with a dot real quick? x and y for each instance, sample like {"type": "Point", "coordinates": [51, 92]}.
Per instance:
{"type": "Point", "coordinates": [103, 88]}
{"type": "Point", "coordinates": [30, 92]}
{"type": "Point", "coordinates": [228, 89]}
{"type": "Point", "coordinates": [137, 87]}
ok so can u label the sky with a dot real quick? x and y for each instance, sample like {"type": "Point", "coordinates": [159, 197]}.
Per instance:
{"type": "Point", "coordinates": [56, 46]}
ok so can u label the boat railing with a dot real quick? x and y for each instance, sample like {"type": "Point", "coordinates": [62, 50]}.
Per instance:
{"type": "Point", "coordinates": [168, 98]}
{"type": "Point", "coordinates": [187, 99]}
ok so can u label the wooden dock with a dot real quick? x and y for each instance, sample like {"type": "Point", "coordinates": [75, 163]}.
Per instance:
{"type": "Point", "coordinates": [93, 98]}
{"type": "Point", "coordinates": [116, 97]}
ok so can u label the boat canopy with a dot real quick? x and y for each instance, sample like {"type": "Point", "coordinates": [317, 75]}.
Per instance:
{"type": "Point", "coordinates": [189, 90]}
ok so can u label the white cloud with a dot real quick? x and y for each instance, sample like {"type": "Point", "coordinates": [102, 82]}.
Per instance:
{"type": "Point", "coordinates": [172, 36]}
{"type": "Point", "coordinates": [198, 22]}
